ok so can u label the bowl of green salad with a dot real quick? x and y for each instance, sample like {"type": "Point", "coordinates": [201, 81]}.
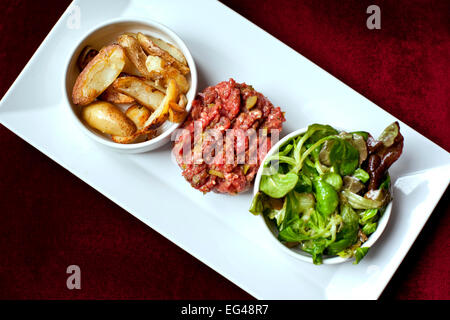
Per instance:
{"type": "Point", "coordinates": [325, 194]}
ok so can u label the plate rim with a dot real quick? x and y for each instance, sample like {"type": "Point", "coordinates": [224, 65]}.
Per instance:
{"type": "Point", "coordinates": [400, 254]}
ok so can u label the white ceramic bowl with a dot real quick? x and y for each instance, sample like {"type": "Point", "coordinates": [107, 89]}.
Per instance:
{"type": "Point", "coordinates": [297, 252]}
{"type": "Point", "coordinates": [105, 34]}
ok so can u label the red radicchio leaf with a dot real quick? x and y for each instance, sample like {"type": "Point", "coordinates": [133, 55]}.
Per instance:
{"type": "Point", "coordinates": [383, 153]}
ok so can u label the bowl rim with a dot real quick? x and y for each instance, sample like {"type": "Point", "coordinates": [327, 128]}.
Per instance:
{"type": "Point", "coordinates": [147, 22]}
{"type": "Point", "coordinates": [382, 223]}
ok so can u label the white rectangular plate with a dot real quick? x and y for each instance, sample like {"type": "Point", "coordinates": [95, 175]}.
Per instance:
{"type": "Point", "coordinates": [218, 229]}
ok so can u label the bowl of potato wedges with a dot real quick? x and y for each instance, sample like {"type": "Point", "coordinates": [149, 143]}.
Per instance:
{"type": "Point", "coordinates": [130, 84]}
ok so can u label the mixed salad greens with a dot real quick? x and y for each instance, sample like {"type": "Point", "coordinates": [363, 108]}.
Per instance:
{"type": "Point", "coordinates": [326, 190]}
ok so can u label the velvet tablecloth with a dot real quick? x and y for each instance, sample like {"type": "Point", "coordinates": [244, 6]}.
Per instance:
{"type": "Point", "coordinates": [50, 219]}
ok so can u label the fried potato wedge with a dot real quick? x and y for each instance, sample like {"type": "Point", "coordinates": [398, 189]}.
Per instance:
{"type": "Point", "coordinates": [182, 102]}
{"type": "Point", "coordinates": [130, 68]}
{"type": "Point", "coordinates": [155, 64]}
{"type": "Point", "coordinates": [152, 49]}
{"type": "Point", "coordinates": [108, 118]}
{"type": "Point", "coordinates": [135, 54]}
{"type": "Point", "coordinates": [131, 34]}
{"type": "Point", "coordinates": [139, 115]}
{"type": "Point", "coordinates": [114, 96]}
{"type": "Point", "coordinates": [171, 49]}
{"type": "Point", "coordinates": [182, 83]}
{"type": "Point", "coordinates": [98, 75]}
{"type": "Point", "coordinates": [136, 138]}
{"type": "Point", "coordinates": [172, 91]}
{"type": "Point", "coordinates": [158, 66]}
{"type": "Point", "coordinates": [155, 84]}
{"type": "Point", "coordinates": [161, 113]}
{"type": "Point", "coordinates": [177, 111]}
{"type": "Point", "coordinates": [139, 136]}
{"type": "Point", "coordinates": [141, 91]}
{"type": "Point", "coordinates": [176, 114]}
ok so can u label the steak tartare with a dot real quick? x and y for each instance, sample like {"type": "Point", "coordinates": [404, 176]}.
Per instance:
{"type": "Point", "coordinates": [227, 109]}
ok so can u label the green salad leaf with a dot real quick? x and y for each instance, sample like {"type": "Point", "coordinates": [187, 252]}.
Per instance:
{"type": "Point", "coordinates": [362, 175]}
{"type": "Point", "coordinates": [294, 232]}
{"type": "Point", "coordinates": [367, 215]}
{"type": "Point", "coordinates": [304, 184]}
{"type": "Point", "coordinates": [333, 179]}
{"type": "Point", "coordinates": [278, 185]}
{"type": "Point", "coordinates": [317, 132]}
{"type": "Point", "coordinates": [349, 232]}
{"type": "Point", "coordinates": [358, 202]}
{"type": "Point", "coordinates": [278, 214]}
{"type": "Point", "coordinates": [321, 196]}
{"type": "Point", "coordinates": [386, 183]}
{"type": "Point", "coordinates": [326, 196]}
{"type": "Point", "coordinates": [344, 157]}
{"type": "Point", "coordinates": [296, 204]}
{"type": "Point", "coordinates": [369, 228]}
{"type": "Point", "coordinates": [363, 134]}
{"type": "Point", "coordinates": [360, 253]}
{"type": "Point", "coordinates": [316, 248]}
{"type": "Point", "coordinates": [389, 134]}
{"type": "Point", "coordinates": [257, 206]}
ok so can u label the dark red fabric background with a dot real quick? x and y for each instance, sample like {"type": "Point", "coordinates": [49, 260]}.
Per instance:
{"type": "Point", "coordinates": [50, 219]}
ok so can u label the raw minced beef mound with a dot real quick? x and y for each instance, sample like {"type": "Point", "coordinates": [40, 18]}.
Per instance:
{"type": "Point", "coordinates": [224, 107]}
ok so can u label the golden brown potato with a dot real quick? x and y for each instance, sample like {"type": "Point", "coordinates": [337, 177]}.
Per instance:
{"type": "Point", "coordinates": [182, 83]}
{"type": "Point", "coordinates": [176, 114]}
{"type": "Point", "coordinates": [155, 64]}
{"type": "Point", "coordinates": [159, 67]}
{"type": "Point", "coordinates": [114, 96]}
{"type": "Point", "coordinates": [139, 115]}
{"type": "Point", "coordinates": [177, 111]}
{"type": "Point", "coordinates": [108, 118]}
{"type": "Point", "coordinates": [162, 112]}
{"type": "Point", "coordinates": [172, 92]}
{"type": "Point", "coordinates": [98, 75]}
{"type": "Point", "coordinates": [130, 68]}
{"type": "Point", "coordinates": [141, 91]}
{"type": "Point", "coordinates": [155, 84]}
{"type": "Point", "coordinates": [151, 48]}
{"type": "Point", "coordinates": [171, 49]}
{"type": "Point", "coordinates": [131, 34]}
{"type": "Point", "coordinates": [182, 102]}
{"type": "Point", "coordinates": [135, 54]}
{"type": "Point", "coordinates": [130, 139]}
